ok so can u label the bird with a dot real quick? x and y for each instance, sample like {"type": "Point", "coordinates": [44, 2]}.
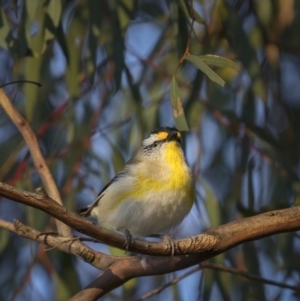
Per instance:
{"type": "Point", "coordinates": [152, 194]}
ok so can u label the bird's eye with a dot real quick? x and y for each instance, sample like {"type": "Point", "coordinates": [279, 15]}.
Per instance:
{"type": "Point", "coordinates": [155, 144]}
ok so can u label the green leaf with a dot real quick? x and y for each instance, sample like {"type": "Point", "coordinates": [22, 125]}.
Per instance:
{"type": "Point", "coordinates": [188, 14]}
{"type": "Point", "coordinates": [31, 8]}
{"type": "Point", "coordinates": [212, 204]}
{"type": "Point", "coordinates": [3, 240]}
{"type": "Point", "coordinates": [176, 103]}
{"type": "Point", "coordinates": [61, 39]}
{"type": "Point", "coordinates": [75, 37]}
{"type": "Point", "coordinates": [53, 16]}
{"type": "Point", "coordinates": [197, 17]}
{"type": "Point", "coordinates": [184, 9]}
{"type": "Point", "coordinates": [54, 10]}
{"type": "Point", "coordinates": [62, 290]}
{"type": "Point", "coordinates": [32, 67]}
{"type": "Point", "coordinates": [218, 61]}
{"type": "Point", "coordinates": [4, 29]}
{"type": "Point", "coordinates": [205, 69]}
{"type": "Point", "coordinates": [124, 12]}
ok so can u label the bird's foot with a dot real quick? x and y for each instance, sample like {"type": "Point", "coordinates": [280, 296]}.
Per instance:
{"type": "Point", "coordinates": [128, 238]}
{"type": "Point", "coordinates": [169, 241]}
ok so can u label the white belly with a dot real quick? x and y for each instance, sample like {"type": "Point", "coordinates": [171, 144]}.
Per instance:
{"type": "Point", "coordinates": [154, 215]}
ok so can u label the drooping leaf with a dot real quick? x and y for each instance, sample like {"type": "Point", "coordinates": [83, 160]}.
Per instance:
{"type": "Point", "coordinates": [124, 11]}
{"type": "Point", "coordinates": [197, 17]}
{"type": "Point", "coordinates": [246, 54]}
{"type": "Point", "coordinates": [96, 18]}
{"type": "Point", "coordinates": [178, 111]}
{"type": "Point", "coordinates": [61, 39]}
{"type": "Point", "coordinates": [54, 12]}
{"type": "Point", "coordinates": [4, 239]}
{"type": "Point", "coordinates": [32, 67]}
{"type": "Point", "coordinates": [37, 41]}
{"type": "Point", "coordinates": [190, 13]}
{"type": "Point", "coordinates": [205, 69]}
{"type": "Point", "coordinates": [212, 204]}
{"type": "Point", "coordinates": [218, 61]}
{"type": "Point", "coordinates": [4, 29]}
{"type": "Point", "coordinates": [184, 9]}
{"type": "Point", "coordinates": [76, 34]}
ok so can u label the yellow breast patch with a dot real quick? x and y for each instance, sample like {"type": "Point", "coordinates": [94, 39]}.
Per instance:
{"type": "Point", "coordinates": [180, 175]}
{"type": "Point", "coordinates": [174, 177]}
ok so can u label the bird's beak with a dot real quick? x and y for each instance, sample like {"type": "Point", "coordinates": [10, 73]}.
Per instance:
{"type": "Point", "coordinates": [174, 136]}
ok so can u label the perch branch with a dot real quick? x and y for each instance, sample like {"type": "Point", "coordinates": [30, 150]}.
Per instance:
{"type": "Point", "coordinates": [210, 243]}
{"type": "Point", "coordinates": [189, 251]}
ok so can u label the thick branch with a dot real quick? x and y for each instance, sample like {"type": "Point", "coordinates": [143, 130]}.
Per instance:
{"type": "Point", "coordinates": [210, 243]}
{"type": "Point", "coordinates": [128, 268]}
{"type": "Point", "coordinates": [37, 157]}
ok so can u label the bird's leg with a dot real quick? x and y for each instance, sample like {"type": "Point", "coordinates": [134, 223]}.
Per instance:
{"type": "Point", "coordinates": [168, 239]}
{"type": "Point", "coordinates": [128, 238]}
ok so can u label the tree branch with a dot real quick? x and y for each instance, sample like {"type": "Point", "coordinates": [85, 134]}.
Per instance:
{"type": "Point", "coordinates": [37, 157]}
{"type": "Point", "coordinates": [97, 259]}
{"type": "Point", "coordinates": [247, 275]}
{"type": "Point", "coordinates": [42, 202]}
{"type": "Point", "coordinates": [119, 270]}
{"type": "Point", "coordinates": [210, 243]}
{"type": "Point", "coordinates": [222, 268]}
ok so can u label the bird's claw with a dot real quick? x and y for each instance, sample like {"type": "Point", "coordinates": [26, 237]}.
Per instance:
{"type": "Point", "coordinates": [169, 241]}
{"type": "Point", "coordinates": [128, 238]}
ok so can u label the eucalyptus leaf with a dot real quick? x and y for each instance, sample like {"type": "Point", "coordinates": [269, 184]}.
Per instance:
{"type": "Point", "coordinates": [218, 61]}
{"type": "Point", "coordinates": [205, 69]}
{"type": "Point", "coordinates": [178, 112]}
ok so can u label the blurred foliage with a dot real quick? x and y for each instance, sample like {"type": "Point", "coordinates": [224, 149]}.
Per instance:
{"type": "Point", "coordinates": [110, 74]}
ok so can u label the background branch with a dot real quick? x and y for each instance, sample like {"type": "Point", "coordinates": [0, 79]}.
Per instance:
{"type": "Point", "coordinates": [97, 259]}
{"type": "Point", "coordinates": [218, 267]}
{"type": "Point", "coordinates": [247, 275]}
{"type": "Point", "coordinates": [37, 156]}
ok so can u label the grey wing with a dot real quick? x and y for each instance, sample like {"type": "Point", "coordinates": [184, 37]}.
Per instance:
{"type": "Point", "coordinates": [85, 212]}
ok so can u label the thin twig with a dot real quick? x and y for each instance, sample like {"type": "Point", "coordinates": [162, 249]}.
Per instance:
{"type": "Point", "coordinates": [97, 259]}
{"type": "Point", "coordinates": [218, 267]}
{"type": "Point", "coordinates": [174, 281]}
{"type": "Point", "coordinates": [36, 154]}
{"type": "Point", "coordinates": [247, 275]}
{"type": "Point", "coordinates": [66, 240]}
{"type": "Point", "coordinates": [22, 81]}
{"type": "Point", "coordinates": [73, 239]}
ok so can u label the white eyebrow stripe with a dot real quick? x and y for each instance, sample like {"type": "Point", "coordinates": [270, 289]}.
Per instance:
{"type": "Point", "coordinates": [150, 140]}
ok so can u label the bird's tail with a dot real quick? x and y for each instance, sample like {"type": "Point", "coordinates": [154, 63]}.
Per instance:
{"type": "Point", "coordinates": [84, 212]}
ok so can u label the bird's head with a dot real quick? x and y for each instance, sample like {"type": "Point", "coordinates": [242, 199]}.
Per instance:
{"type": "Point", "coordinates": [162, 141]}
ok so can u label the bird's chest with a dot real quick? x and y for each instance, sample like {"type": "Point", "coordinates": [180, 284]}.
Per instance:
{"type": "Point", "coordinates": [164, 179]}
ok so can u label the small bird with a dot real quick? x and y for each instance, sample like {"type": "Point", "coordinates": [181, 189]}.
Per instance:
{"type": "Point", "coordinates": [152, 194]}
